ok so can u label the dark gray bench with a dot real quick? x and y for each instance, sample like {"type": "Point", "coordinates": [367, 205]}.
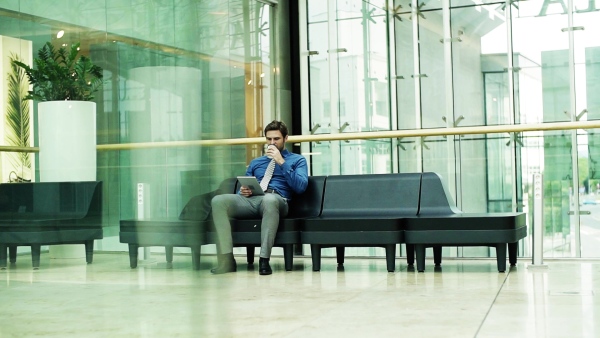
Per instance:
{"type": "Point", "coordinates": [189, 230]}
{"type": "Point", "coordinates": [362, 211]}
{"type": "Point", "coordinates": [376, 210]}
{"type": "Point", "coordinates": [440, 224]}
{"type": "Point", "coordinates": [49, 213]}
{"type": "Point", "coordinates": [194, 227]}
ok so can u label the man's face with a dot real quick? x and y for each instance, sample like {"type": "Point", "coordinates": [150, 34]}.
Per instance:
{"type": "Point", "coordinates": [275, 137]}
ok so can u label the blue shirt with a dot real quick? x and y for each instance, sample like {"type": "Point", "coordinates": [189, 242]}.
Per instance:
{"type": "Point", "coordinates": [288, 179]}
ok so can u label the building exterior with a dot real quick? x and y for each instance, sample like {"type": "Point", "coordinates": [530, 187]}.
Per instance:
{"type": "Point", "coordinates": [181, 73]}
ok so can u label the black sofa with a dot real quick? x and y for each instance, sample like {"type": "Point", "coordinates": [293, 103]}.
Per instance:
{"type": "Point", "coordinates": [375, 210]}
{"type": "Point", "coordinates": [440, 224]}
{"type": "Point", "coordinates": [194, 226]}
{"type": "Point", "coordinates": [189, 230]}
{"type": "Point", "coordinates": [362, 211]}
{"type": "Point", "coordinates": [48, 213]}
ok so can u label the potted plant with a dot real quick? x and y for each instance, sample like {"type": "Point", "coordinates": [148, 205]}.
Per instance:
{"type": "Point", "coordinates": [18, 123]}
{"type": "Point", "coordinates": [64, 82]}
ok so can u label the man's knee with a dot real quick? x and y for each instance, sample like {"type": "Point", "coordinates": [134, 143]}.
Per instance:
{"type": "Point", "coordinates": [220, 201]}
{"type": "Point", "coordinates": [271, 200]}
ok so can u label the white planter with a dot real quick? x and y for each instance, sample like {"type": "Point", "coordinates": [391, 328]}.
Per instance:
{"type": "Point", "coordinates": [67, 141]}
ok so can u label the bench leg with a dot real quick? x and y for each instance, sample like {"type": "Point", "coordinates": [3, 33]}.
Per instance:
{"type": "Point", "coordinates": [410, 254]}
{"type": "Point", "coordinates": [420, 253]}
{"type": "Point", "coordinates": [437, 255]}
{"type": "Point", "coordinates": [35, 256]}
{"type": "Point", "coordinates": [169, 253]}
{"type": "Point", "coordinates": [512, 253]}
{"type": "Point", "coordinates": [315, 251]}
{"type": "Point", "coordinates": [340, 252]}
{"type": "Point", "coordinates": [288, 256]}
{"type": "Point", "coordinates": [3, 248]}
{"type": "Point", "coordinates": [501, 256]}
{"type": "Point", "coordinates": [250, 254]}
{"type": "Point", "coordinates": [133, 255]}
{"type": "Point", "coordinates": [390, 257]}
{"type": "Point", "coordinates": [195, 257]}
{"type": "Point", "coordinates": [12, 253]}
{"type": "Point", "coordinates": [89, 251]}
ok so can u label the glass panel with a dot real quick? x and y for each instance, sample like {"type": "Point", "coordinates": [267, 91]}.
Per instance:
{"type": "Point", "coordinates": [408, 159]}
{"type": "Point", "coordinates": [470, 25]}
{"type": "Point", "coordinates": [408, 115]}
{"type": "Point", "coordinates": [368, 157]}
{"type": "Point", "coordinates": [318, 44]}
{"type": "Point", "coordinates": [464, 3]}
{"type": "Point", "coordinates": [363, 67]}
{"type": "Point", "coordinates": [174, 71]}
{"type": "Point", "coordinates": [321, 157]}
{"type": "Point", "coordinates": [545, 96]}
{"type": "Point", "coordinates": [587, 102]}
{"type": "Point", "coordinates": [432, 70]}
{"type": "Point", "coordinates": [320, 95]}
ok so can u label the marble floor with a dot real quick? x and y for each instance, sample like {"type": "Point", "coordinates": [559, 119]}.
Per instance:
{"type": "Point", "coordinates": [465, 298]}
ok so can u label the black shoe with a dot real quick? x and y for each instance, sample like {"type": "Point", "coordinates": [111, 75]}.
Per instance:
{"type": "Point", "coordinates": [263, 266]}
{"type": "Point", "coordinates": [226, 263]}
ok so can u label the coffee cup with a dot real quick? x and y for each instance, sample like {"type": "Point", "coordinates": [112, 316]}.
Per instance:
{"type": "Point", "coordinates": [267, 148]}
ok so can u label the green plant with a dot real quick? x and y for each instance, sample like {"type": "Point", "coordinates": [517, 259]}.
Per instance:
{"type": "Point", "coordinates": [18, 119]}
{"type": "Point", "coordinates": [61, 75]}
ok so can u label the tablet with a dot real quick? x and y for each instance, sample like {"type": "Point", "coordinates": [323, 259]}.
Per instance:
{"type": "Point", "coordinates": [252, 183]}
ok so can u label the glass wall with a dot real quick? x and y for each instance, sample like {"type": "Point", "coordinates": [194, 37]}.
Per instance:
{"type": "Point", "coordinates": [457, 63]}
{"type": "Point", "coordinates": [176, 72]}
{"type": "Point", "coordinates": [179, 72]}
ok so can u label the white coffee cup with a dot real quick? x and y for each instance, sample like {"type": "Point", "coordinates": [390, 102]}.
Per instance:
{"type": "Point", "coordinates": [267, 148]}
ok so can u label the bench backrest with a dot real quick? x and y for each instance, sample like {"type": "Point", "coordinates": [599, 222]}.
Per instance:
{"type": "Point", "coordinates": [435, 198]}
{"type": "Point", "coordinates": [57, 200]}
{"type": "Point", "coordinates": [371, 195]}
{"type": "Point", "coordinates": [309, 203]}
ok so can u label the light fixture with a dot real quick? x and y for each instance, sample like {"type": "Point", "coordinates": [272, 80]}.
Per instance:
{"type": "Point", "coordinates": [60, 34]}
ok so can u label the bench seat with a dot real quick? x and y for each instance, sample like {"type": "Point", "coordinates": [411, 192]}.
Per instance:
{"type": "Point", "coordinates": [440, 224]}
{"type": "Point", "coordinates": [49, 213]}
{"type": "Point", "coordinates": [169, 233]}
{"type": "Point", "coordinates": [362, 211]}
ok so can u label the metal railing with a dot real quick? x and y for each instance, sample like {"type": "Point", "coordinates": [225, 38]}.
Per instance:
{"type": "Point", "coordinates": [474, 130]}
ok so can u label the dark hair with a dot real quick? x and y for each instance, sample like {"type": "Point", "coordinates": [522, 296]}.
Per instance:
{"type": "Point", "coordinates": [277, 125]}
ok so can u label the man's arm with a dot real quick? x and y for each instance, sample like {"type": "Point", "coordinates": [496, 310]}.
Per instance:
{"type": "Point", "coordinates": [296, 173]}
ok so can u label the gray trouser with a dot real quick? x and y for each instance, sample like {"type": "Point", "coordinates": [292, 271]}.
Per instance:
{"type": "Point", "coordinates": [234, 206]}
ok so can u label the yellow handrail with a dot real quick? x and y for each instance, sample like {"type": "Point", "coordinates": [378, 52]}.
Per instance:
{"type": "Point", "coordinates": [474, 130]}
{"type": "Point", "coordinates": [366, 135]}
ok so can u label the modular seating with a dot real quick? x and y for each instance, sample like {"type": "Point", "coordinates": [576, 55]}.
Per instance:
{"type": "Point", "coordinates": [362, 211]}
{"type": "Point", "coordinates": [439, 224]}
{"type": "Point", "coordinates": [374, 210]}
{"type": "Point", "coordinates": [189, 230]}
{"type": "Point", "coordinates": [194, 227]}
{"type": "Point", "coordinates": [49, 213]}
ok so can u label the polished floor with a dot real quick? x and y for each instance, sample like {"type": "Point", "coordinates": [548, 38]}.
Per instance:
{"type": "Point", "coordinates": [465, 298]}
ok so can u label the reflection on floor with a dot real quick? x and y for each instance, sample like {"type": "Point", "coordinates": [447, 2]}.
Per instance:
{"type": "Point", "coordinates": [465, 298]}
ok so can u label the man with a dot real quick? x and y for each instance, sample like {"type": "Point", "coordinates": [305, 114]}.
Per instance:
{"type": "Point", "coordinates": [290, 176]}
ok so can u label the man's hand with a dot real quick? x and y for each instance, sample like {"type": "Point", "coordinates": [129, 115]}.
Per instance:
{"type": "Point", "coordinates": [274, 153]}
{"type": "Point", "coordinates": [244, 191]}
